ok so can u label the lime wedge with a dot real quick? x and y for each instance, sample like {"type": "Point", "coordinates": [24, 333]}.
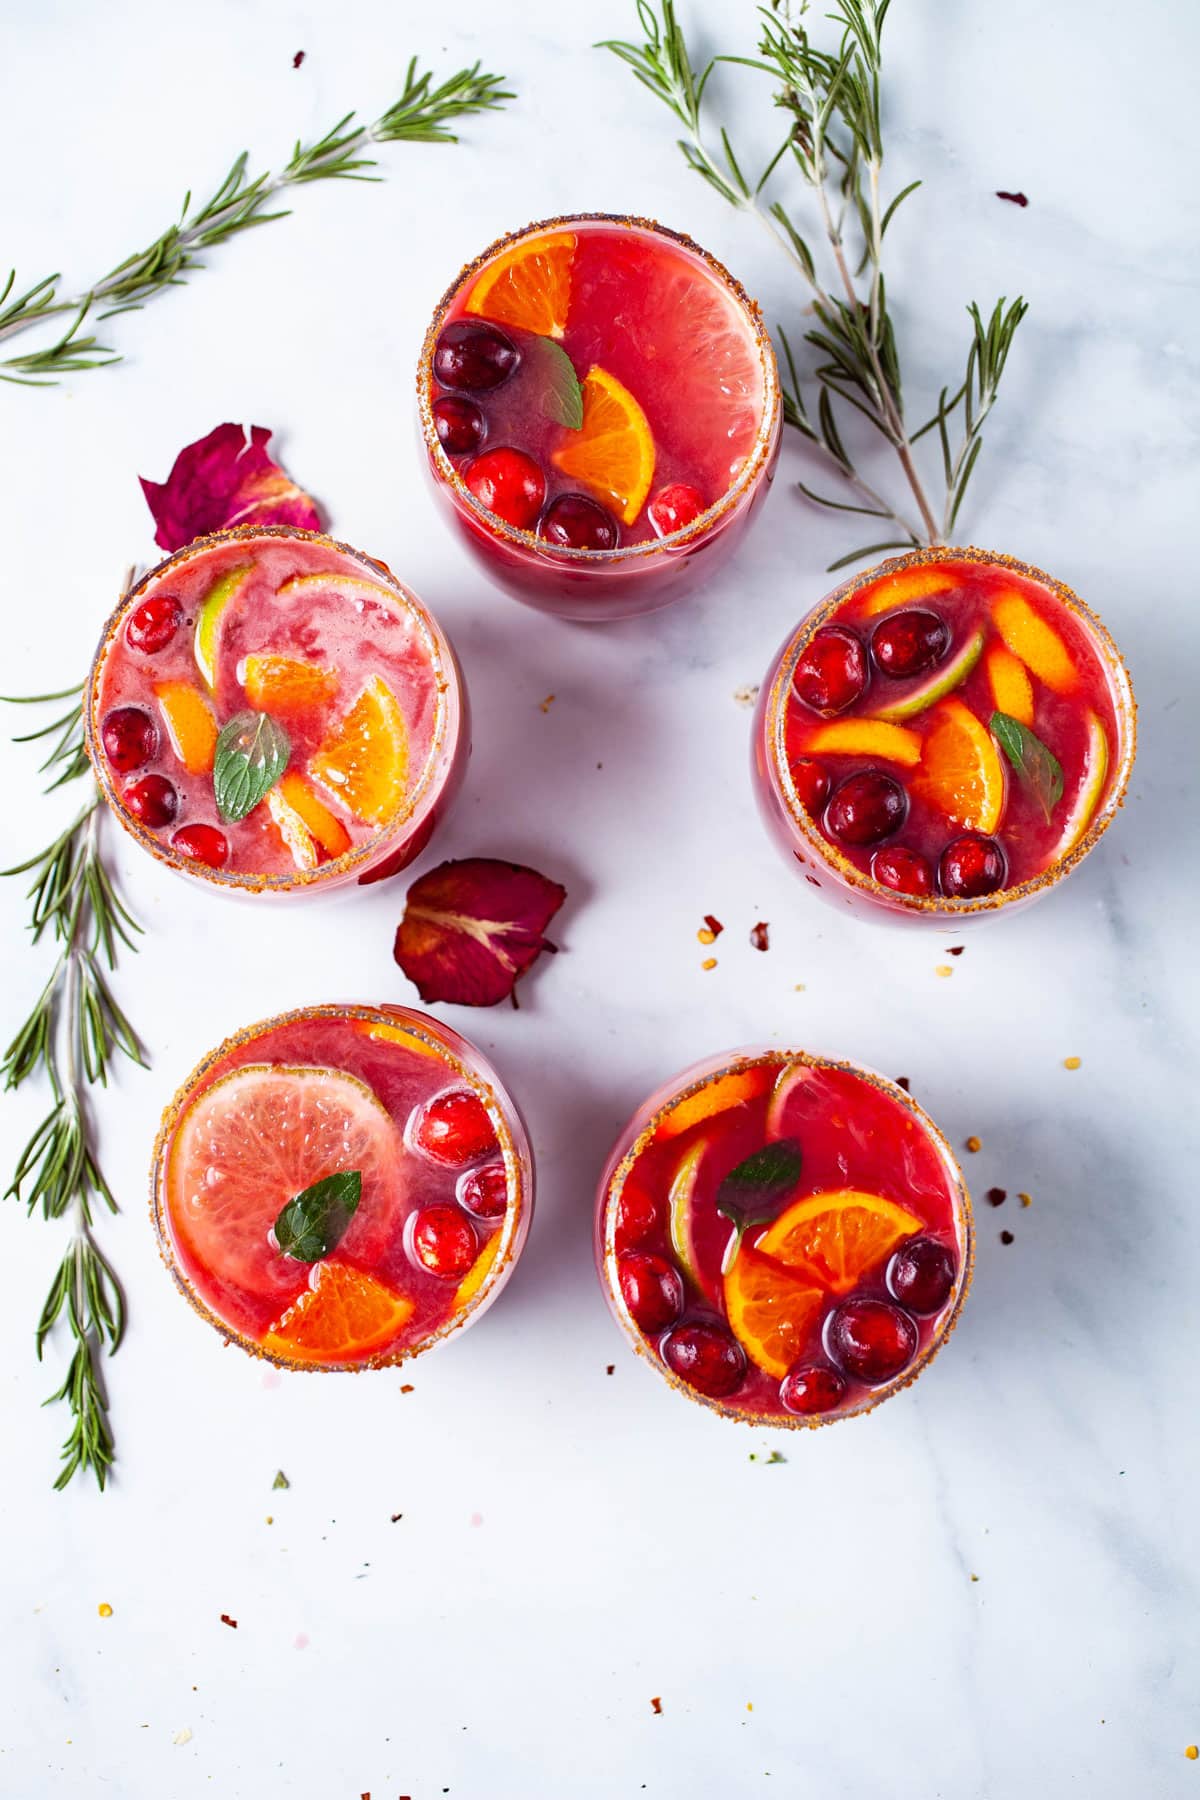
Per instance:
{"type": "Point", "coordinates": [208, 620]}
{"type": "Point", "coordinates": [1095, 774]}
{"type": "Point", "coordinates": [680, 1211]}
{"type": "Point", "coordinates": [940, 683]}
{"type": "Point", "coordinates": [790, 1077]}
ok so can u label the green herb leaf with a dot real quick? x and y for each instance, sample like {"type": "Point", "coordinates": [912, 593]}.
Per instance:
{"type": "Point", "coordinates": [751, 1193]}
{"type": "Point", "coordinates": [561, 395]}
{"type": "Point", "coordinates": [281, 1480]}
{"type": "Point", "coordinates": [252, 753]}
{"type": "Point", "coordinates": [1037, 766]}
{"type": "Point", "coordinates": [313, 1224]}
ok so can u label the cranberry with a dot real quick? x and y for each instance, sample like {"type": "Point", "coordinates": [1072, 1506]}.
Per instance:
{"type": "Point", "coordinates": [707, 1358]}
{"type": "Point", "coordinates": [870, 1339]}
{"type": "Point", "coordinates": [673, 507]}
{"type": "Point", "coordinates": [130, 738]}
{"type": "Point", "coordinates": [484, 1192]}
{"type": "Point", "coordinates": [444, 1241]}
{"type": "Point", "coordinates": [455, 1128]}
{"type": "Point", "coordinates": [971, 866]}
{"type": "Point", "coordinates": [811, 780]}
{"type": "Point", "coordinates": [473, 355]}
{"type": "Point", "coordinates": [815, 1390]}
{"type": "Point", "coordinates": [910, 642]}
{"type": "Point", "coordinates": [921, 1275]}
{"type": "Point", "coordinates": [832, 672]}
{"type": "Point", "coordinates": [866, 807]}
{"type": "Point", "coordinates": [459, 424]}
{"type": "Point", "coordinates": [652, 1290]}
{"type": "Point", "coordinates": [202, 844]}
{"type": "Point", "coordinates": [508, 483]}
{"type": "Point", "coordinates": [578, 524]}
{"type": "Point", "coordinates": [907, 871]}
{"type": "Point", "coordinates": [152, 800]}
{"type": "Point", "coordinates": [153, 624]}
{"type": "Point", "coordinates": [637, 1216]}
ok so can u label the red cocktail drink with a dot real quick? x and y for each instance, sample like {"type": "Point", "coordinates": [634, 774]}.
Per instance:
{"type": "Point", "coordinates": [318, 668]}
{"type": "Point", "coordinates": [786, 1239]}
{"type": "Point", "coordinates": [601, 410]}
{"type": "Point", "coordinates": [342, 1187]}
{"type": "Point", "coordinates": [944, 735]}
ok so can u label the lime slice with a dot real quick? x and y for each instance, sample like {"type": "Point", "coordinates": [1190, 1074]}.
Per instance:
{"type": "Point", "coordinates": [790, 1077]}
{"type": "Point", "coordinates": [208, 620]}
{"type": "Point", "coordinates": [1095, 774]}
{"type": "Point", "coordinates": [942, 682]}
{"type": "Point", "coordinates": [680, 1202]}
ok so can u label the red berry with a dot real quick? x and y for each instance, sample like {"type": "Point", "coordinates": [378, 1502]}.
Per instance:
{"type": "Point", "coordinates": [832, 672]}
{"type": "Point", "coordinates": [455, 1128]}
{"type": "Point", "coordinates": [811, 780]}
{"type": "Point", "coordinates": [473, 355]}
{"type": "Point", "coordinates": [578, 523]}
{"type": "Point", "coordinates": [130, 738]}
{"type": "Point", "coordinates": [459, 424]}
{"type": "Point", "coordinates": [484, 1192]}
{"type": "Point", "coordinates": [673, 507]}
{"type": "Point", "coordinates": [152, 800]}
{"type": "Point", "coordinates": [814, 1390]}
{"type": "Point", "coordinates": [652, 1290]}
{"type": "Point", "coordinates": [202, 844]}
{"type": "Point", "coordinates": [444, 1241]}
{"type": "Point", "coordinates": [907, 871]}
{"type": "Point", "coordinates": [153, 624]}
{"type": "Point", "coordinates": [870, 1339]}
{"type": "Point", "coordinates": [707, 1358]}
{"type": "Point", "coordinates": [921, 1275]}
{"type": "Point", "coordinates": [866, 807]}
{"type": "Point", "coordinates": [971, 866]}
{"type": "Point", "coordinates": [637, 1215]}
{"type": "Point", "coordinates": [910, 642]}
{"type": "Point", "coordinates": [508, 483]}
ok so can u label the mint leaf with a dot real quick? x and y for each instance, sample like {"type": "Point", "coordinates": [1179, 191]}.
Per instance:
{"type": "Point", "coordinates": [561, 395]}
{"type": "Point", "coordinates": [252, 753]}
{"type": "Point", "coordinates": [750, 1194]}
{"type": "Point", "coordinates": [313, 1224]}
{"type": "Point", "coordinates": [1036, 766]}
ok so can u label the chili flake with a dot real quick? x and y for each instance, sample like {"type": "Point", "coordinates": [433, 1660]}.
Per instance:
{"type": "Point", "coordinates": [758, 936]}
{"type": "Point", "coordinates": [656, 1703]}
{"type": "Point", "coordinates": [226, 1620]}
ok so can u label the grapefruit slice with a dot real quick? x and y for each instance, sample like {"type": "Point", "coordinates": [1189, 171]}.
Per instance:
{"type": "Point", "coordinates": [254, 1140]}
{"type": "Point", "coordinates": [925, 582]}
{"type": "Point", "coordinates": [477, 1274]}
{"type": "Point", "coordinates": [209, 619]}
{"type": "Point", "coordinates": [866, 737]}
{"type": "Point", "coordinates": [284, 684]}
{"type": "Point", "coordinates": [943, 681]}
{"type": "Point", "coordinates": [736, 1088]}
{"type": "Point", "coordinates": [961, 773]}
{"type": "Point", "coordinates": [529, 285]}
{"type": "Point", "coordinates": [342, 1314]}
{"type": "Point", "coordinates": [613, 452]}
{"type": "Point", "coordinates": [1012, 690]}
{"type": "Point", "coordinates": [771, 1309]}
{"type": "Point", "coordinates": [190, 724]}
{"type": "Point", "coordinates": [1095, 774]}
{"type": "Point", "coordinates": [836, 1238]}
{"type": "Point", "coordinates": [1037, 644]}
{"type": "Point", "coordinates": [365, 762]}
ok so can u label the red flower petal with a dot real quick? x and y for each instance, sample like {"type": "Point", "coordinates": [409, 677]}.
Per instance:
{"type": "Point", "coordinates": [471, 928]}
{"type": "Point", "coordinates": [224, 480]}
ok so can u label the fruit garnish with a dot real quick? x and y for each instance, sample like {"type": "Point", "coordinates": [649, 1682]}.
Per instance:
{"type": "Point", "coordinates": [613, 451]}
{"type": "Point", "coordinates": [313, 1224]}
{"type": "Point", "coordinates": [129, 737]}
{"type": "Point", "coordinates": [866, 808]}
{"type": "Point", "coordinates": [673, 507]}
{"type": "Point", "coordinates": [294, 793]}
{"type": "Point", "coordinates": [478, 1273]}
{"type": "Point", "coordinates": [284, 684]}
{"type": "Point", "coordinates": [529, 285]}
{"type": "Point", "coordinates": [680, 1211]}
{"type": "Point", "coordinates": [256, 1138]}
{"type": "Point", "coordinates": [737, 1088]}
{"type": "Point", "coordinates": [474, 356]}
{"type": "Point", "coordinates": [454, 1128]}
{"type": "Point", "coordinates": [225, 479]}
{"type": "Point", "coordinates": [651, 1289]}
{"type": "Point", "coordinates": [1095, 773]}
{"type": "Point", "coordinates": [1037, 644]}
{"type": "Point", "coordinates": [921, 1275]}
{"type": "Point", "coordinates": [707, 1358]}
{"type": "Point", "coordinates": [209, 618]}
{"type": "Point", "coordinates": [300, 587]}
{"type": "Point", "coordinates": [637, 1215]}
{"type": "Point", "coordinates": [961, 773]}
{"type": "Point", "coordinates": [871, 1339]}
{"type": "Point", "coordinates": [484, 1192]}
{"type": "Point", "coordinates": [811, 782]}
{"type": "Point", "coordinates": [460, 426]}
{"type": "Point", "coordinates": [509, 483]}
{"type": "Point", "coordinates": [903, 870]}
{"type": "Point", "coordinates": [831, 671]}
{"type": "Point", "coordinates": [791, 1077]}
{"type": "Point", "coordinates": [1012, 690]}
{"type": "Point", "coordinates": [252, 753]}
{"type": "Point", "coordinates": [396, 1034]}
{"type": "Point", "coordinates": [190, 722]}
{"type": "Point", "coordinates": [344, 1313]}
{"type": "Point", "coordinates": [443, 1241]}
{"type": "Point", "coordinates": [921, 583]}
{"type": "Point", "coordinates": [771, 1309]}
{"type": "Point", "coordinates": [950, 675]}
{"type": "Point", "coordinates": [202, 844]}
{"type": "Point", "coordinates": [1034, 762]}
{"type": "Point", "coordinates": [151, 626]}
{"type": "Point", "coordinates": [364, 763]}
{"type": "Point", "coordinates": [577, 523]}
{"type": "Point", "coordinates": [812, 1390]}
{"type": "Point", "coordinates": [836, 1238]}
{"type": "Point", "coordinates": [909, 642]}
{"type": "Point", "coordinates": [471, 929]}
{"type": "Point", "coordinates": [867, 737]}
{"type": "Point", "coordinates": [152, 800]}
{"type": "Point", "coordinates": [971, 867]}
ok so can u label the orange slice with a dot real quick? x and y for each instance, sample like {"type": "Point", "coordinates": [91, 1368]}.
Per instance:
{"type": "Point", "coordinates": [613, 452]}
{"type": "Point", "coordinates": [921, 583]}
{"type": "Point", "coordinates": [1037, 644]}
{"type": "Point", "coordinates": [477, 1274]}
{"type": "Point", "coordinates": [395, 1034]}
{"type": "Point", "coordinates": [191, 725]}
{"type": "Point", "coordinates": [297, 837]}
{"type": "Point", "coordinates": [365, 763]}
{"type": "Point", "coordinates": [961, 772]}
{"type": "Point", "coordinates": [343, 1313]}
{"type": "Point", "coordinates": [734, 1089]}
{"type": "Point", "coordinates": [771, 1309]}
{"type": "Point", "coordinates": [1012, 690]}
{"type": "Point", "coordinates": [836, 1238]}
{"type": "Point", "coordinates": [529, 285]}
{"type": "Point", "coordinates": [867, 737]}
{"type": "Point", "coordinates": [329, 832]}
{"type": "Point", "coordinates": [283, 684]}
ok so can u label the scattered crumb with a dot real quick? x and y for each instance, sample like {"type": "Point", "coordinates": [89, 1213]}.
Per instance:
{"type": "Point", "coordinates": [1192, 1751]}
{"type": "Point", "coordinates": [547, 703]}
{"type": "Point", "coordinates": [297, 59]}
{"type": "Point", "coordinates": [1017, 199]}
{"type": "Point", "coordinates": [996, 1196]}
{"type": "Point", "coordinates": [974, 1144]}
{"type": "Point", "coordinates": [406, 1387]}
{"type": "Point", "coordinates": [610, 1369]}
{"type": "Point", "coordinates": [1072, 1062]}
{"type": "Point", "coordinates": [943, 969]}
{"type": "Point", "coordinates": [1025, 1199]}
{"type": "Point", "coordinates": [710, 962]}
{"type": "Point", "coordinates": [974, 1578]}
{"type": "Point", "coordinates": [713, 925]}
{"type": "Point", "coordinates": [746, 696]}
{"type": "Point", "coordinates": [396, 1518]}
{"type": "Point", "coordinates": [184, 1736]}
{"type": "Point", "coordinates": [1006, 1237]}
{"type": "Point", "coordinates": [270, 1518]}
{"type": "Point", "coordinates": [104, 1609]}
{"type": "Point", "coordinates": [656, 1703]}
{"type": "Point", "coordinates": [300, 1641]}
{"type": "Point", "coordinates": [226, 1620]}
{"type": "Point", "coordinates": [956, 949]}
{"type": "Point", "coordinates": [705, 936]}
{"type": "Point", "coordinates": [773, 1456]}
{"type": "Point", "coordinates": [749, 1706]}
{"type": "Point", "coordinates": [905, 1083]}
{"type": "Point", "coordinates": [800, 988]}
{"type": "Point", "coordinates": [281, 1480]}
{"type": "Point", "coordinates": [759, 937]}
{"type": "Point", "coordinates": [477, 1518]}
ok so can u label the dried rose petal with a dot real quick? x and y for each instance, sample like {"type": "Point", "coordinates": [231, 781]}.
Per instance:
{"type": "Point", "coordinates": [471, 928]}
{"type": "Point", "coordinates": [223, 480]}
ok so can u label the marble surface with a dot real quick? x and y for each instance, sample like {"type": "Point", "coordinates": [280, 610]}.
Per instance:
{"type": "Point", "coordinates": [987, 1590]}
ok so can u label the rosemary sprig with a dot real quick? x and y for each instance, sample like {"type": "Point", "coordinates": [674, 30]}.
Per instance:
{"type": "Point", "coordinates": [422, 114]}
{"type": "Point", "coordinates": [834, 145]}
{"type": "Point", "coordinates": [70, 1037]}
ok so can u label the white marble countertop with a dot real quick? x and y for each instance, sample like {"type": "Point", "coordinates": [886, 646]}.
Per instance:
{"type": "Point", "coordinates": [989, 1588]}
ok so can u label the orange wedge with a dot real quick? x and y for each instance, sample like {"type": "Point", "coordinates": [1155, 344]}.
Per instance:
{"type": "Point", "coordinates": [282, 684]}
{"type": "Point", "coordinates": [734, 1089]}
{"type": "Point", "coordinates": [395, 1034]}
{"type": "Point", "coordinates": [921, 583]}
{"type": "Point", "coordinates": [613, 452]}
{"type": "Point", "coordinates": [961, 772]}
{"type": "Point", "coordinates": [1037, 644]}
{"type": "Point", "coordinates": [771, 1310]}
{"type": "Point", "coordinates": [190, 724]}
{"type": "Point", "coordinates": [867, 737]}
{"type": "Point", "coordinates": [344, 1313]}
{"type": "Point", "coordinates": [329, 832]}
{"type": "Point", "coordinates": [529, 285]}
{"type": "Point", "coordinates": [365, 763]}
{"type": "Point", "coordinates": [477, 1274]}
{"type": "Point", "coordinates": [836, 1238]}
{"type": "Point", "coordinates": [1012, 690]}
